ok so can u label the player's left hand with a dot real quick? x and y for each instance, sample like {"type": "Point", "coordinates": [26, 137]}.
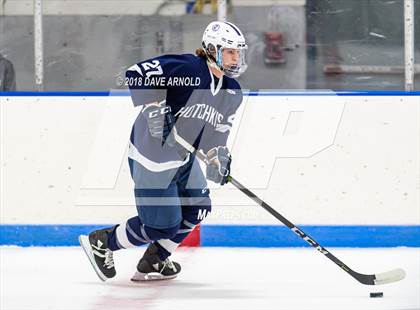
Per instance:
{"type": "Point", "coordinates": [218, 164]}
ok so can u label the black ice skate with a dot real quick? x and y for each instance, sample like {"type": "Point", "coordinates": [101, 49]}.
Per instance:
{"type": "Point", "coordinates": [96, 248]}
{"type": "Point", "coordinates": [151, 267]}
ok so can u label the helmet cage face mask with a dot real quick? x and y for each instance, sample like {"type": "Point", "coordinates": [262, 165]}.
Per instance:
{"type": "Point", "coordinates": [237, 69]}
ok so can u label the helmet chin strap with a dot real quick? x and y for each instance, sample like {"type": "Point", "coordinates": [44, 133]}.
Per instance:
{"type": "Point", "coordinates": [214, 65]}
{"type": "Point", "coordinates": [213, 62]}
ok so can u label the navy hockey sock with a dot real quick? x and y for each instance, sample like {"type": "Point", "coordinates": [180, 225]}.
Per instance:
{"type": "Point", "coordinates": [192, 215]}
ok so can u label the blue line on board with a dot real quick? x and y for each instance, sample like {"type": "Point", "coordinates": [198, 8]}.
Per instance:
{"type": "Point", "coordinates": [233, 235]}
{"type": "Point", "coordinates": [125, 93]}
{"type": "Point", "coordinates": [328, 236]}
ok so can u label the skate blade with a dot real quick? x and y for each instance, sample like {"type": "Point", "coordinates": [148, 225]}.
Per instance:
{"type": "Point", "coordinates": [84, 242]}
{"type": "Point", "coordinates": [152, 276]}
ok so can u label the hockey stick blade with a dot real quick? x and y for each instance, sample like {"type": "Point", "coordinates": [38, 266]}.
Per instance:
{"type": "Point", "coordinates": [389, 276]}
{"type": "Point", "coordinates": [379, 278]}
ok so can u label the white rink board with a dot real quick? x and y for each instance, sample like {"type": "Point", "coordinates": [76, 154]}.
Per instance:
{"type": "Point", "coordinates": [317, 159]}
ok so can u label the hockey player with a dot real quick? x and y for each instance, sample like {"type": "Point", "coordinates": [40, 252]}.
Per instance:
{"type": "Point", "coordinates": [196, 95]}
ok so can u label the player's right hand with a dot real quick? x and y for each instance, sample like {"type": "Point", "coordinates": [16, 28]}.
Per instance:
{"type": "Point", "coordinates": [218, 164]}
{"type": "Point", "coordinates": [160, 122]}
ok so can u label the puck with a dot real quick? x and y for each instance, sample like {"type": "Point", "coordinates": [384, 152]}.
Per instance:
{"type": "Point", "coordinates": [377, 294]}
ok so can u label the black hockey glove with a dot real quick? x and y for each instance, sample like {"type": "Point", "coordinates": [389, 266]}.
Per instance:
{"type": "Point", "coordinates": [218, 166]}
{"type": "Point", "coordinates": [160, 122]}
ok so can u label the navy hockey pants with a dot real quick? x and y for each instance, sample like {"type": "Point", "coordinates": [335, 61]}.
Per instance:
{"type": "Point", "coordinates": [169, 205]}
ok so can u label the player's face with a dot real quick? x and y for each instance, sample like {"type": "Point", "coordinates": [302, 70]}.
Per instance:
{"type": "Point", "coordinates": [230, 57]}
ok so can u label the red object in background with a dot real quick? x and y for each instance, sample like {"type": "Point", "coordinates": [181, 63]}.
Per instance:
{"type": "Point", "coordinates": [274, 48]}
{"type": "Point", "coordinates": [193, 239]}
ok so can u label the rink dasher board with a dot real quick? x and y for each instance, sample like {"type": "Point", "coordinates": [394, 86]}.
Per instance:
{"type": "Point", "coordinates": [405, 226]}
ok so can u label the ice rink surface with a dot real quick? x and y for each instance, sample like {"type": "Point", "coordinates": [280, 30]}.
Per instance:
{"type": "Point", "coordinates": [212, 278]}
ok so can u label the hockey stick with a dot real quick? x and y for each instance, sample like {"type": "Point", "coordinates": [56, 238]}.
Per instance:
{"type": "Point", "coordinates": [368, 279]}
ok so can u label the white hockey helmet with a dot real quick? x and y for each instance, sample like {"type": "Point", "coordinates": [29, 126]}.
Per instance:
{"type": "Point", "coordinates": [220, 35]}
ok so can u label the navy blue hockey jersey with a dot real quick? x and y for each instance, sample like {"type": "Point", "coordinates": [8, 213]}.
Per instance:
{"type": "Point", "coordinates": [203, 106]}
